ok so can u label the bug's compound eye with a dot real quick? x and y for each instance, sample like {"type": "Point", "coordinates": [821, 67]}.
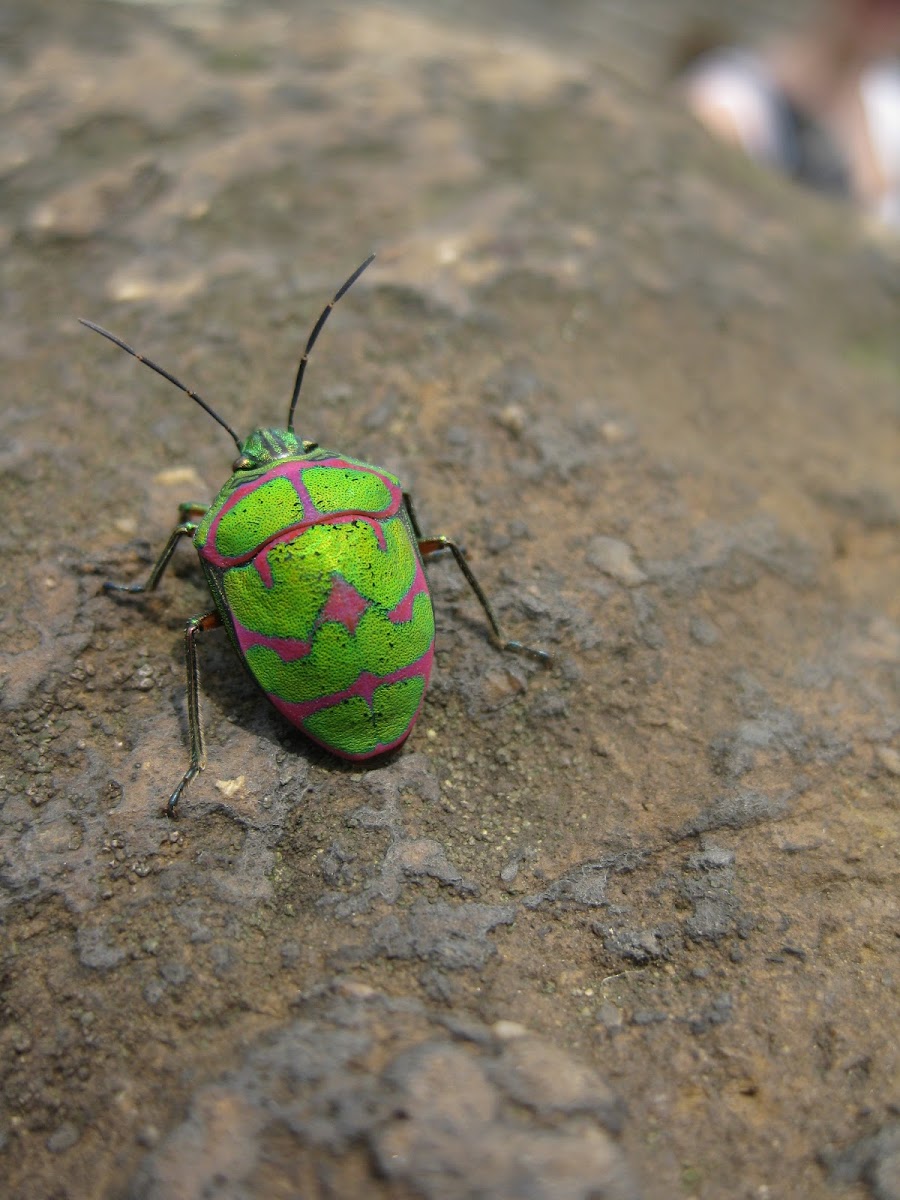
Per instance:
{"type": "Point", "coordinates": [242, 463]}
{"type": "Point", "coordinates": [307, 446]}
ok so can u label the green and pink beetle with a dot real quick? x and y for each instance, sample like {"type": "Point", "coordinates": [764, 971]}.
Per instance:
{"type": "Point", "coordinates": [314, 561]}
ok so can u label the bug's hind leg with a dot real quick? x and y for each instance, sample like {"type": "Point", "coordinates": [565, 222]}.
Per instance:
{"type": "Point", "coordinates": [194, 627]}
{"type": "Point", "coordinates": [186, 528]}
{"type": "Point", "coordinates": [432, 546]}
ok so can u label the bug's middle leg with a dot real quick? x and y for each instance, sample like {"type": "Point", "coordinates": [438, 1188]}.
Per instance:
{"type": "Point", "coordinates": [431, 546]}
{"type": "Point", "coordinates": [187, 528]}
{"type": "Point", "coordinates": [194, 627]}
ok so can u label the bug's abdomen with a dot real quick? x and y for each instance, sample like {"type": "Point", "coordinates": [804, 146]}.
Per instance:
{"type": "Point", "coordinates": [335, 623]}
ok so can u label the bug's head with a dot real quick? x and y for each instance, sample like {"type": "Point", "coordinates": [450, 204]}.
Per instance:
{"type": "Point", "coordinates": [266, 446]}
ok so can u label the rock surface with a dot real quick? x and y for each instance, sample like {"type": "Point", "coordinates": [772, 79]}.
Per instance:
{"type": "Point", "coordinates": [622, 927]}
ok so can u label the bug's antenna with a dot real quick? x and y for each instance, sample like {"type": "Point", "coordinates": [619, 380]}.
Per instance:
{"type": "Point", "coordinates": [317, 329]}
{"type": "Point", "coordinates": [165, 374]}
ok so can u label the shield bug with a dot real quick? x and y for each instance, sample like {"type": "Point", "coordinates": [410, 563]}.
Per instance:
{"type": "Point", "coordinates": [314, 562]}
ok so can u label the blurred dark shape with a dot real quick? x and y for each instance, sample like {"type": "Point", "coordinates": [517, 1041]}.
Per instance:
{"type": "Point", "coordinates": [821, 105]}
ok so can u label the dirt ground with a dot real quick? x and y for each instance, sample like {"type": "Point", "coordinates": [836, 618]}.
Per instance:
{"type": "Point", "coordinates": [623, 927]}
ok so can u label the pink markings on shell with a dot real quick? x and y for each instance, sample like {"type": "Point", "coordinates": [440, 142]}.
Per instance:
{"type": "Point", "coordinates": [344, 605]}
{"type": "Point", "coordinates": [287, 649]}
{"type": "Point", "coordinates": [292, 649]}
{"type": "Point", "coordinates": [261, 561]}
{"type": "Point", "coordinates": [292, 470]}
{"type": "Point", "coordinates": [403, 611]}
{"type": "Point", "coordinates": [364, 688]}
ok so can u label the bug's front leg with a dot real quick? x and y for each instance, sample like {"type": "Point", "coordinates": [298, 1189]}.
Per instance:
{"type": "Point", "coordinates": [194, 627]}
{"type": "Point", "coordinates": [187, 528]}
{"type": "Point", "coordinates": [431, 546]}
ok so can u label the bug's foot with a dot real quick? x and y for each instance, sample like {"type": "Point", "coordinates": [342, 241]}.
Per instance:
{"type": "Point", "coordinates": [171, 807]}
{"type": "Point", "coordinates": [540, 656]}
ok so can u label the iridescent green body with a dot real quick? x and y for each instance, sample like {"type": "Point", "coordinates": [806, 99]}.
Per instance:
{"type": "Point", "coordinates": [315, 570]}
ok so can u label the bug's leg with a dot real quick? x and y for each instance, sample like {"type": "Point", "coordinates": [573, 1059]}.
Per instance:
{"type": "Point", "coordinates": [195, 626]}
{"type": "Point", "coordinates": [185, 529]}
{"type": "Point", "coordinates": [432, 546]}
{"type": "Point", "coordinates": [413, 519]}
{"type": "Point", "coordinates": [192, 509]}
